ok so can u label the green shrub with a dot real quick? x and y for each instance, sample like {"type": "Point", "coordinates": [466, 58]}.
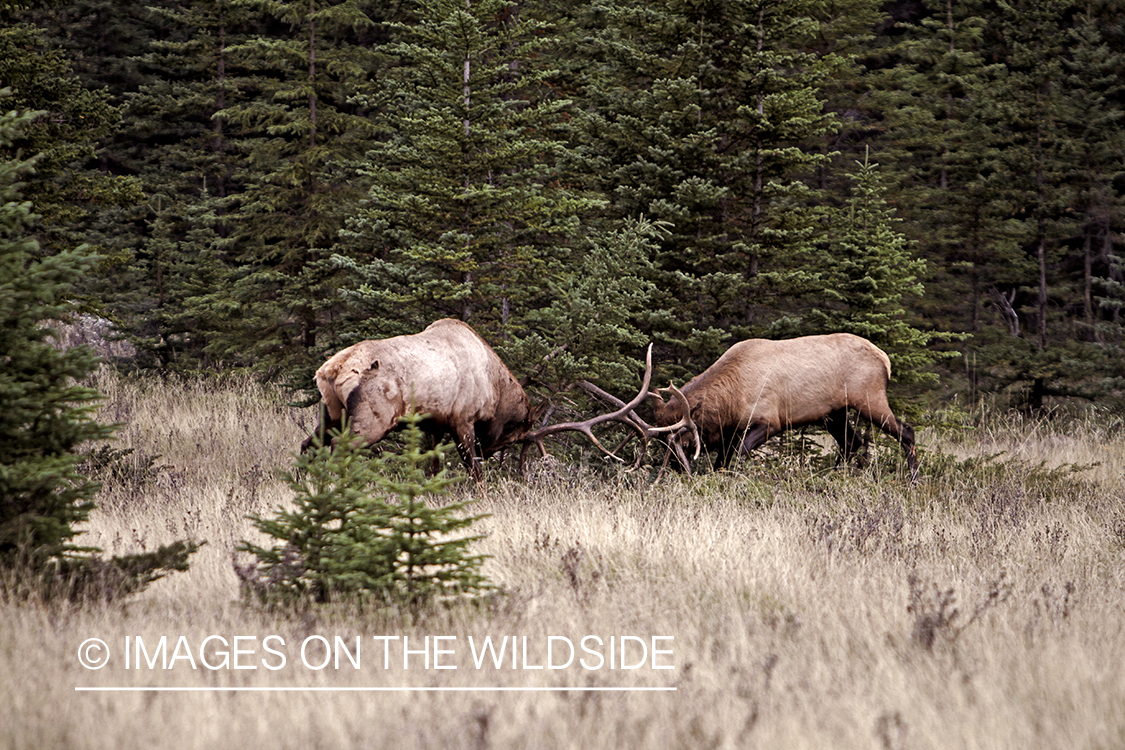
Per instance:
{"type": "Point", "coordinates": [360, 529]}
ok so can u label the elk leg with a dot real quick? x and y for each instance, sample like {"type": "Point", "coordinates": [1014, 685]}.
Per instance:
{"type": "Point", "coordinates": [754, 436]}
{"type": "Point", "coordinates": [904, 434]}
{"type": "Point", "coordinates": [431, 442]}
{"type": "Point", "coordinates": [467, 447]}
{"type": "Point", "coordinates": [726, 449]}
{"type": "Point", "coordinates": [325, 424]}
{"type": "Point", "coordinates": [900, 431]}
{"type": "Point", "coordinates": [851, 441]}
{"type": "Point", "coordinates": [906, 438]}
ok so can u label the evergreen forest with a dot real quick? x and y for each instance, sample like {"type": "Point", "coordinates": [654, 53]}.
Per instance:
{"type": "Point", "coordinates": [262, 182]}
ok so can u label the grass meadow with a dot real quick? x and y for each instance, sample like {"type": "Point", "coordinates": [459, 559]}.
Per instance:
{"type": "Point", "coordinates": [797, 605]}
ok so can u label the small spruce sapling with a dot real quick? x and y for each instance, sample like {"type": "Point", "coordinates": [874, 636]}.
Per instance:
{"type": "Point", "coordinates": [360, 528]}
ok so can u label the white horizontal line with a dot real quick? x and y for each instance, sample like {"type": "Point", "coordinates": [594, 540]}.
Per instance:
{"type": "Point", "coordinates": [369, 689]}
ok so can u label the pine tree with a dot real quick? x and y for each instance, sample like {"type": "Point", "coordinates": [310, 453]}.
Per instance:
{"type": "Point", "coordinates": [989, 115]}
{"type": "Point", "coordinates": [78, 203]}
{"type": "Point", "coordinates": [870, 276]}
{"type": "Point", "coordinates": [1022, 109]}
{"type": "Point", "coordinates": [300, 134]}
{"type": "Point", "coordinates": [926, 93]}
{"type": "Point", "coordinates": [466, 216]}
{"type": "Point", "coordinates": [104, 40]}
{"type": "Point", "coordinates": [707, 120]}
{"type": "Point", "coordinates": [1094, 121]}
{"type": "Point", "coordinates": [187, 162]}
{"type": "Point", "coordinates": [361, 528]}
{"type": "Point", "coordinates": [47, 416]}
{"type": "Point", "coordinates": [592, 327]}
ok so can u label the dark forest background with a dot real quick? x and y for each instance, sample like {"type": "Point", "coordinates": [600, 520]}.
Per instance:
{"type": "Point", "coordinates": [265, 182]}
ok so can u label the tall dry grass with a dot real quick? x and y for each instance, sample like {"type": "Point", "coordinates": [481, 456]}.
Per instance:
{"type": "Point", "coordinates": [809, 607]}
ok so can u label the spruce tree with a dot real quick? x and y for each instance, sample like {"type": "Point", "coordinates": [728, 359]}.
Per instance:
{"type": "Point", "coordinates": [361, 529]}
{"type": "Point", "coordinates": [46, 415]}
{"type": "Point", "coordinates": [1022, 108]}
{"type": "Point", "coordinates": [299, 135]}
{"type": "Point", "coordinates": [871, 277]}
{"type": "Point", "coordinates": [924, 105]}
{"type": "Point", "coordinates": [707, 117]}
{"type": "Point", "coordinates": [187, 161]}
{"type": "Point", "coordinates": [592, 329]}
{"type": "Point", "coordinates": [467, 215]}
{"type": "Point", "coordinates": [78, 202]}
{"type": "Point", "coordinates": [1094, 122]}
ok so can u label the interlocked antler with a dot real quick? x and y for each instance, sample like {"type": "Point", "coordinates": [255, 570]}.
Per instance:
{"type": "Point", "coordinates": [625, 415]}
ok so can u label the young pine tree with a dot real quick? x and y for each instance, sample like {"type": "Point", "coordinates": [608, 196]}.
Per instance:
{"type": "Point", "coordinates": [46, 416]}
{"type": "Point", "coordinates": [361, 528]}
{"type": "Point", "coordinates": [592, 328]}
{"type": "Point", "coordinates": [870, 276]}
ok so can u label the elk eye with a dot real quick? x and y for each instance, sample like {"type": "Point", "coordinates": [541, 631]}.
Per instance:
{"type": "Point", "coordinates": [375, 365]}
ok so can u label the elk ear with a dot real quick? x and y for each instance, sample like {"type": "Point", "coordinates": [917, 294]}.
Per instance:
{"type": "Point", "coordinates": [374, 365]}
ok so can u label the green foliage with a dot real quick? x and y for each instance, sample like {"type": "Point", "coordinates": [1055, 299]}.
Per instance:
{"type": "Point", "coordinates": [47, 416]}
{"type": "Point", "coordinates": [868, 275]}
{"type": "Point", "coordinates": [319, 173]}
{"type": "Point", "coordinates": [298, 138]}
{"type": "Point", "coordinates": [592, 328]}
{"type": "Point", "coordinates": [94, 578]}
{"type": "Point", "coordinates": [696, 115]}
{"type": "Point", "coordinates": [72, 199]}
{"type": "Point", "coordinates": [468, 214]}
{"type": "Point", "coordinates": [361, 528]}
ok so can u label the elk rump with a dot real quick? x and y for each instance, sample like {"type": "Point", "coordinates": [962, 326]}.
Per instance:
{"type": "Point", "coordinates": [760, 387]}
{"type": "Point", "coordinates": [447, 371]}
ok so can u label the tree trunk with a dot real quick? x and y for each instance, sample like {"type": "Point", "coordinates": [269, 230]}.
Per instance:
{"type": "Point", "coordinates": [312, 74]}
{"type": "Point", "coordinates": [1041, 333]}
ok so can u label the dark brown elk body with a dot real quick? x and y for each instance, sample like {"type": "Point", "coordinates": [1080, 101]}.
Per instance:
{"type": "Point", "coordinates": [446, 371]}
{"type": "Point", "coordinates": [759, 388]}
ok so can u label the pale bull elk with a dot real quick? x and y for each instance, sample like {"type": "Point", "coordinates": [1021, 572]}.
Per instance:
{"type": "Point", "coordinates": [452, 374]}
{"type": "Point", "coordinates": [446, 371]}
{"type": "Point", "coordinates": [760, 387]}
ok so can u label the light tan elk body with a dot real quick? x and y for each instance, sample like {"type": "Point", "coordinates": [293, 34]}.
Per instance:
{"type": "Point", "coordinates": [446, 371]}
{"type": "Point", "coordinates": [759, 388]}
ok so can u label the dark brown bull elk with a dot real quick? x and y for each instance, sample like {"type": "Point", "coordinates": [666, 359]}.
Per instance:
{"type": "Point", "coordinates": [760, 387]}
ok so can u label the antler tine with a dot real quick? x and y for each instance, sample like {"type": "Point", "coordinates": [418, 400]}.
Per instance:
{"type": "Point", "coordinates": [589, 387]}
{"type": "Point", "coordinates": [686, 423]}
{"type": "Point", "coordinates": [584, 427]}
{"type": "Point", "coordinates": [644, 429]}
{"type": "Point", "coordinates": [625, 414]}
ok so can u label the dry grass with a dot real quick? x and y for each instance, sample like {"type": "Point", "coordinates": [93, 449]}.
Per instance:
{"type": "Point", "coordinates": [809, 608]}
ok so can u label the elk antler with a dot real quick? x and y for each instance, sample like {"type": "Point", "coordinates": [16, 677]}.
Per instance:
{"type": "Point", "coordinates": [680, 428]}
{"type": "Point", "coordinates": [586, 427]}
{"type": "Point", "coordinates": [625, 415]}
